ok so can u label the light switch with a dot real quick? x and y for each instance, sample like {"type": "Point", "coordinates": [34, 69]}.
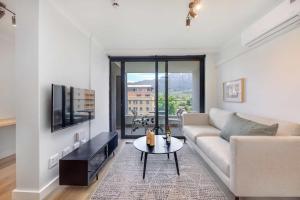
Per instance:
{"type": "Point", "coordinates": [53, 160]}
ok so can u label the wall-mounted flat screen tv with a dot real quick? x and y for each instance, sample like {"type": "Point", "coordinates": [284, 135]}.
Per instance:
{"type": "Point", "coordinates": [83, 103]}
{"type": "Point", "coordinates": [71, 106]}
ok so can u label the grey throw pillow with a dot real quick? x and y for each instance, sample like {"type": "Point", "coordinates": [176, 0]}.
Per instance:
{"type": "Point", "coordinates": [236, 126]}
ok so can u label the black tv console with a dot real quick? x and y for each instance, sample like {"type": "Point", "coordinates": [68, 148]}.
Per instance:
{"type": "Point", "coordinates": [81, 166]}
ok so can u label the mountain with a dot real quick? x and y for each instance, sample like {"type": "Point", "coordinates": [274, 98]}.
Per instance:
{"type": "Point", "coordinates": [177, 82]}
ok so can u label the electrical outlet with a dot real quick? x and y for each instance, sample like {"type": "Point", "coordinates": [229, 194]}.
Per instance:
{"type": "Point", "coordinates": [77, 137]}
{"type": "Point", "coordinates": [76, 145]}
{"type": "Point", "coordinates": [53, 160]}
{"type": "Point", "coordinates": [66, 151]}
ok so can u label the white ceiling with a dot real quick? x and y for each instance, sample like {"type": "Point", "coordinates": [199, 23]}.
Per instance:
{"type": "Point", "coordinates": [153, 25]}
{"type": "Point", "coordinates": [145, 25]}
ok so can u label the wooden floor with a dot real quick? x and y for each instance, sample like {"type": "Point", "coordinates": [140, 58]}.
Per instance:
{"type": "Point", "coordinates": [72, 193]}
{"type": "Point", "coordinates": [8, 182]}
{"type": "Point", "coordinates": [7, 177]}
{"type": "Point", "coordinates": [82, 193]}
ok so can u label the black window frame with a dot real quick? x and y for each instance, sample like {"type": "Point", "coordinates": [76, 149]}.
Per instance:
{"type": "Point", "coordinates": [155, 59]}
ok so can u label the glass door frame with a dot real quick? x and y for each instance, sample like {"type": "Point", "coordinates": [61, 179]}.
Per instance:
{"type": "Point", "coordinates": [156, 60]}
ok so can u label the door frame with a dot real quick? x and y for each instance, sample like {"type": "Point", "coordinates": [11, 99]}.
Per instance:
{"type": "Point", "coordinates": [155, 59]}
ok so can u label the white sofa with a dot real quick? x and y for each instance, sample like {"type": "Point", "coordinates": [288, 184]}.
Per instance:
{"type": "Point", "coordinates": [250, 166]}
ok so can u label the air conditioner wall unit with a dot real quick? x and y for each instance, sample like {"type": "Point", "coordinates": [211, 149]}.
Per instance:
{"type": "Point", "coordinates": [283, 18]}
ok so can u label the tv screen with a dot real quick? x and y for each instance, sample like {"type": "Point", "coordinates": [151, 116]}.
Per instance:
{"type": "Point", "coordinates": [57, 118]}
{"type": "Point", "coordinates": [71, 106]}
{"type": "Point", "coordinates": [83, 104]}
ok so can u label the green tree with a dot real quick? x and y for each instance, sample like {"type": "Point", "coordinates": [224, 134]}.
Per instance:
{"type": "Point", "coordinates": [175, 102]}
{"type": "Point", "coordinates": [173, 105]}
{"type": "Point", "coordinates": [188, 104]}
{"type": "Point", "coordinates": [161, 102]}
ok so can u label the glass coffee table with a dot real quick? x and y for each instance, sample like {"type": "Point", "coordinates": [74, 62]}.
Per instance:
{"type": "Point", "coordinates": [160, 148]}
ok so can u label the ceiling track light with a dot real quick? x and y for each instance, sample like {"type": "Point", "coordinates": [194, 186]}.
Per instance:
{"type": "Point", "coordinates": [115, 4]}
{"type": "Point", "coordinates": [2, 13]}
{"type": "Point", "coordinates": [188, 21]}
{"type": "Point", "coordinates": [194, 7]}
{"type": "Point", "coordinates": [13, 20]}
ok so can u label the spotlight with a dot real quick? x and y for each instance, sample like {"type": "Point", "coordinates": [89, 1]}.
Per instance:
{"type": "Point", "coordinates": [115, 4]}
{"type": "Point", "coordinates": [193, 14]}
{"type": "Point", "coordinates": [2, 13]}
{"type": "Point", "coordinates": [197, 5]}
{"type": "Point", "coordinates": [194, 7]}
{"type": "Point", "coordinates": [188, 22]}
{"type": "Point", "coordinates": [13, 20]}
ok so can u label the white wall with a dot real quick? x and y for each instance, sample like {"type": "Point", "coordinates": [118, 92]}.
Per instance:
{"type": "Point", "coordinates": [67, 56]}
{"type": "Point", "coordinates": [100, 83]}
{"type": "Point", "coordinates": [272, 73]}
{"type": "Point", "coordinates": [27, 93]}
{"type": "Point", "coordinates": [7, 141]}
{"type": "Point", "coordinates": [210, 82]}
{"type": "Point", "coordinates": [63, 59]}
{"type": "Point", "coordinates": [7, 77]}
{"type": "Point", "coordinates": [7, 92]}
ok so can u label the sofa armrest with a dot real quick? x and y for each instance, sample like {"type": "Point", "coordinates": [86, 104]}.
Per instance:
{"type": "Point", "coordinates": [265, 166]}
{"type": "Point", "coordinates": [195, 119]}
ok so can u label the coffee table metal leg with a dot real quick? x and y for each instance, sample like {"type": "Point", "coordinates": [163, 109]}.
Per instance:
{"type": "Point", "coordinates": [168, 156]}
{"type": "Point", "coordinates": [142, 156]}
{"type": "Point", "coordinates": [145, 164]}
{"type": "Point", "coordinates": [176, 161]}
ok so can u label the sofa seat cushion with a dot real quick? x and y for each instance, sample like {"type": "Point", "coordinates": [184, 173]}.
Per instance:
{"type": "Point", "coordinates": [217, 150]}
{"type": "Point", "coordinates": [192, 132]}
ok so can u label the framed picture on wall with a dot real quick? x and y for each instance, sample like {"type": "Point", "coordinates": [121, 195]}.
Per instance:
{"type": "Point", "coordinates": [234, 91]}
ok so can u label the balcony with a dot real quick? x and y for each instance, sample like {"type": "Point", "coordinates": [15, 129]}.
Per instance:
{"type": "Point", "coordinates": [174, 123]}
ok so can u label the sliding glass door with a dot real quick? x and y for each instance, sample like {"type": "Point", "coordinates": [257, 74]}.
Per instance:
{"type": "Point", "coordinates": [183, 92]}
{"type": "Point", "coordinates": [139, 98]}
{"type": "Point", "coordinates": [162, 112]}
{"type": "Point", "coordinates": [156, 91]}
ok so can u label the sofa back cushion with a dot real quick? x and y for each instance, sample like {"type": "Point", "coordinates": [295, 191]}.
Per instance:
{"type": "Point", "coordinates": [284, 129]}
{"type": "Point", "coordinates": [237, 126]}
{"type": "Point", "coordinates": [218, 117]}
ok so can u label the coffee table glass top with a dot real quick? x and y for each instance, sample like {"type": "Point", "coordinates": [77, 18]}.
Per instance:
{"type": "Point", "coordinates": [160, 147]}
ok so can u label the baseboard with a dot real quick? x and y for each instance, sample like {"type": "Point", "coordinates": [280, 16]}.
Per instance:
{"type": "Point", "coordinates": [7, 154]}
{"type": "Point", "coordinates": [35, 194]}
{"type": "Point", "coordinates": [25, 195]}
{"type": "Point", "coordinates": [47, 189]}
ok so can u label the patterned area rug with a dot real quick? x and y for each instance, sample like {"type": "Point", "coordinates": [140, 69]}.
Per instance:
{"type": "Point", "coordinates": [124, 179]}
